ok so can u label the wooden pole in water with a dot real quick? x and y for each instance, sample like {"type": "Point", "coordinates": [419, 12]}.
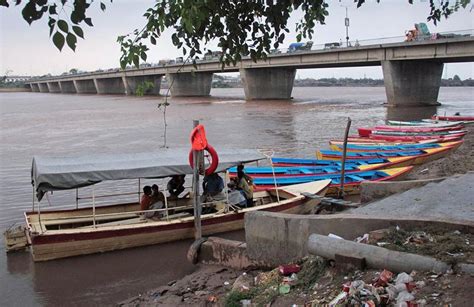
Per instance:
{"type": "Point", "coordinates": [197, 200]}
{"type": "Point", "coordinates": [344, 151]}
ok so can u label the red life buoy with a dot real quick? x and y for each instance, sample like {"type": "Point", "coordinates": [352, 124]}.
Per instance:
{"type": "Point", "coordinates": [198, 138]}
{"type": "Point", "coordinates": [214, 159]}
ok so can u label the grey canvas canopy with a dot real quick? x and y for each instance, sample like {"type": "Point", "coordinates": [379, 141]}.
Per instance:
{"type": "Point", "coordinates": [63, 173]}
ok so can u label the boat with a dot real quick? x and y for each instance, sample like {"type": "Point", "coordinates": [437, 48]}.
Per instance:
{"type": "Point", "coordinates": [369, 141]}
{"type": "Point", "coordinates": [367, 132]}
{"type": "Point", "coordinates": [351, 180]}
{"type": "Point", "coordinates": [363, 164]}
{"type": "Point", "coordinates": [421, 156]}
{"type": "Point", "coordinates": [408, 138]}
{"type": "Point", "coordinates": [303, 171]}
{"type": "Point", "coordinates": [454, 118]}
{"type": "Point", "coordinates": [54, 234]}
{"type": "Point", "coordinates": [422, 123]}
{"type": "Point", "coordinates": [438, 121]}
{"type": "Point", "coordinates": [402, 147]}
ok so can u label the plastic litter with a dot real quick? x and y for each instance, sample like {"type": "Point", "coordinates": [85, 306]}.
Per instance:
{"type": "Point", "coordinates": [288, 269]}
{"type": "Point", "coordinates": [331, 235]}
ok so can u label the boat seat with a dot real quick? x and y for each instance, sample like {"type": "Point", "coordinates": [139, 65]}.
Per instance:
{"type": "Point", "coordinates": [355, 177]}
{"type": "Point", "coordinates": [99, 218]}
{"type": "Point", "coordinates": [136, 220]}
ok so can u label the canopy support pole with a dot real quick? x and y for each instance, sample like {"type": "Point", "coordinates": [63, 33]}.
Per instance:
{"type": "Point", "coordinates": [77, 198]}
{"type": "Point", "coordinates": [39, 217]}
{"type": "Point", "coordinates": [93, 206]}
{"type": "Point", "coordinates": [226, 180]}
{"type": "Point", "coordinates": [166, 206]}
{"type": "Point", "coordinates": [343, 166]}
{"type": "Point", "coordinates": [33, 209]}
{"type": "Point", "coordinates": [197, 200]}
{"type": "Point", "coordinates": [139, 190]}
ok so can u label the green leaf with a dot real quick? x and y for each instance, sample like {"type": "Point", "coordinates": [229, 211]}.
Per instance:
{"type": "Point", "coordinates": [143, 56]}
{"type": "Point", "coordinates": [102, 6]}
{"type": "Point", "coordinates": [152, 40]}
{"type": "Point", "coordinates": [78, 31]}
{"type": "Point", "coordinates": [52, 10]}
{"type": "Point", "coordinates": [51, 24]}
{"type": "Point", "coordinates": [88, 21]}
{"type": "Point", "coordinates": [63, 26]}
{"type": "Point", "coordinates": [58, 40]}
{"type": "Point", "coordinates": [71, 40]}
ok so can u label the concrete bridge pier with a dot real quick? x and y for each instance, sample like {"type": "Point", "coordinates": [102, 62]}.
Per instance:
{"type": "Point", "coordinates": [85, 86]}
{"type": "Point", "coordinates": [110, 86]}
{"type": "Point", "coordinates": [268, 83]}
{"type": "Point", "coordinates": [131, 84]}
{"type": "Point", "coordinates": [54, 87]}
{"type": "Point", "coordinates": [67, 86]}
{"type": "Point", "coordinates": [412, 82]}
{"type": "Point", "coordinates": [43, 87]}
{"type": "Point", "coordinates": [34, 87]}
{"type": "Point", "coordinates": [190, 84]}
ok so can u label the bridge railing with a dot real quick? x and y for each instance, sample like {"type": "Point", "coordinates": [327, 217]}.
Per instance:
{"type": "Point", "coordinates": [336, 45]}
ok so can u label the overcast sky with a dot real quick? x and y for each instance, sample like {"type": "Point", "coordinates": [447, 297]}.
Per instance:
{"type": "Point", "coordinates": [27, 50]}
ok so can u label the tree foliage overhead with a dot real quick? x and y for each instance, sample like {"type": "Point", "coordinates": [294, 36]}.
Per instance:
{"type": "Point", "coordinates": [241, 27]}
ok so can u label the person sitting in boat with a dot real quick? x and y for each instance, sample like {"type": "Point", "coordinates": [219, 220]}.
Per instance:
{"type": "Point", "coordinates": [157, 200]}
{"type": "Point", "coordinates": [176, 185]}
{"type": "Point", "coordinates": [145, 201]}
{"type": "Point", "coordinates": [212, 185]}
{"type": "Point", "coordinates": [242, 185]}
{"type": "Point", "coordinates": [236, 197]}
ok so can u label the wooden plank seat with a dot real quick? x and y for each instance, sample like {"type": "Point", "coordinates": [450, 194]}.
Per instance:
{"type": "Point", "coordinates": [79, 220]}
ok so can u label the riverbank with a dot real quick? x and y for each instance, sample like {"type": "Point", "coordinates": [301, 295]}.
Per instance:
{"type": "Point", "coordinates": [14, 89]}
{"type": "Point", "coordinates": [320, 282]}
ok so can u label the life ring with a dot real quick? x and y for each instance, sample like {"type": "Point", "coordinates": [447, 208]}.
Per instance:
{"type": "Point", "coordinates": [214, 159]}
{"type": "Point", "coordinates": [198, 138]}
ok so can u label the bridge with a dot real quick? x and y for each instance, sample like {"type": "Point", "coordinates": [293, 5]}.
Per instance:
{"type": "Point", "coordinates": [412, 72]}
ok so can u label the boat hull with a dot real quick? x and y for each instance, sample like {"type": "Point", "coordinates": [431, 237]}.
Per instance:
{"type": "Point", "coordinates": [55, 244]}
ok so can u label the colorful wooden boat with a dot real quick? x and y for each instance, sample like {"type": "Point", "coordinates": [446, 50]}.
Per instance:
{"type": "Point", "coordinates": [405, 138]}
{"type": "Point", "coordinates": [55, 234]}
{"type": "Point", "coordinates": [369, 141]}
{"type": "Point", "coordinates": [351, 181]}
{"type": "Point", "coordinates": [367, 132]}
{"type": "Point", "coordinates": [422, 156]}
{"type": "Point", "coordinates": [424, 123]}
{"type": "Point", "coordinates": [367, 164]}
{"type": "Point", "coordinates": [453, 118]}
{"type": "Point", "coordinates": [437, 121]}
{"type": "Point", "coordinates": [402, 147]}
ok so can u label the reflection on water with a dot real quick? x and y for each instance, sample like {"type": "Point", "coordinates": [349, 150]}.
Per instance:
{"type": "Point", "coordinates": [55, 124]}
{"type": "Point", "coordinates": [410, 113]}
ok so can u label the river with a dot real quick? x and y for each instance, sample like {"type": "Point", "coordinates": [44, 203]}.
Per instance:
{"type": "Point", "coordinates": [55, 124]}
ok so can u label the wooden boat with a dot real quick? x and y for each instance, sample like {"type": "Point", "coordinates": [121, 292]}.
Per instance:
{"type": "Point", "coordinates": [421, 156]}
{"type": "Point", "coordinates": [425, 123]}
{"type": "Point", "coordinates": [351, 180]}
{"type": "Point", "coordinates": [367, 132]}
{"type": "Point", "coordinates": [362, 164]}
{"type": "Point", "coordinates": [369, 141]}
{"type": "Point", "coordinates": [403, 147]}
{"type": "Point", "coordinates": [404, 138]}
{"type": "Point", "coordinates": [55, 234]}
{"type": "Point", "coordinates": [438, 121]}
{"type": "Point", "coordinates": [453, 118]}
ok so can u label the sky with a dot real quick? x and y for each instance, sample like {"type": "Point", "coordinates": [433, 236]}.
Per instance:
{"type": "Point", "coordinates": [28, 50]}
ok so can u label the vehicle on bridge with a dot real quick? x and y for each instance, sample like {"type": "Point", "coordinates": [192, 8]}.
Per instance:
{"type": "Point", "coordinates": [295, 47]}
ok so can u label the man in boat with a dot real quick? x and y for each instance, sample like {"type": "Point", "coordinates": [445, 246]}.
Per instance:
{"type": "Point", "coordinates": [176, 185]}
{"type": "Point", "coordinates": [242, 185]}
{"type": "Point", "coordinates": [212, 185]}
{"type": "Point", "coordinates": [236, 197]}
{"type": "Point", "coordinates": [157, 200]}
{"type": "Point", "coordinates": [240, 168]}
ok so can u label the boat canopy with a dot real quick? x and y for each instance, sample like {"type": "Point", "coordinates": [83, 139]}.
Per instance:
{"type": "Point", "coordinates": [63, 173]}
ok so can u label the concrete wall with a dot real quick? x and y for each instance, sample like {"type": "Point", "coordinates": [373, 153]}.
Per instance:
{"type": "Point", "coordinates": [86, 86]}
{"type": "Point", "coordinates": [67, 87]}
{"type": "Point", "coordinates": [373, 190]}
{"type": "Point", "coordinates": [276, 238]}
{"type": "Point", "coordinates": [131, 84]}
{"type": "Point", "coordinates": [43, 87]}
{"type": "Point", "coordinates": [190, 84]}
{"type": "Point", "coordinates": [110, 86]}
{"type": "Point", "coordinates": [268, 83]}
{"type": "Point", "coordinates": [412, 83]}
{"type": "Point", "coordinates": [54, 87]}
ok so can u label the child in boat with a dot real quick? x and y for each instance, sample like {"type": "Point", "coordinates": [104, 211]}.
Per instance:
{"type": "Point", "coordinates": [157, 201]}
{"type": "Point", "coordinates": [244, 186]}
{"type": "Point", "coordinates": [145, 201]}
{"type": "Point", "coordinates": [176, 185]}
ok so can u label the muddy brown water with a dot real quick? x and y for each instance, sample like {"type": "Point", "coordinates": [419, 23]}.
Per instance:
{"type": "Point", "coordinates": [56, 124]}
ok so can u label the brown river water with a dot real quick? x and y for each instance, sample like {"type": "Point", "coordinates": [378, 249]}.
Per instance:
{"type": "Point", "coordinates": [55, 124]}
